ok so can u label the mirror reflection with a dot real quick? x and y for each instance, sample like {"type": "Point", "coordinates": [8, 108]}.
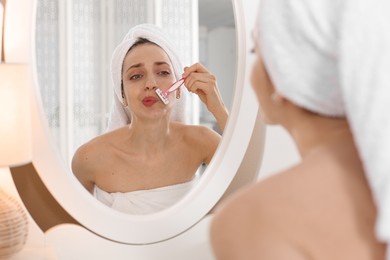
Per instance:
{"type": "Point", "coordinates": [163, 144]}
{"type": "Point", "coordinates": [148, 162]}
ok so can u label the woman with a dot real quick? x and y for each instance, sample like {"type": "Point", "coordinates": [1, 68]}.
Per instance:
{"type": "Point", "coordinates": [313, 74]}
{"type": "Point", "coordinates": [148, 162]}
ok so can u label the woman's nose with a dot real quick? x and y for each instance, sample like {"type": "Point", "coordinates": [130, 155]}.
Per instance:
{"type": "Point", "coordinates": [151, 84]}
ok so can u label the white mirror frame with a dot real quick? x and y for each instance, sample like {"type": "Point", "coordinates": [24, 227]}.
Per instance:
{"type": "Point", "coordinates": [92, 214]}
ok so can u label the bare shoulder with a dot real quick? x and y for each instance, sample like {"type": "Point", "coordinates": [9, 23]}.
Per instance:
{"type": "Point", "coordinates": [320, 195]}
{"type": "Point", "coordinates": [197, 133]}
{"type": "Point", "coordinates": [200, 138]}
{"type": "Point", "coordinates": [88, 157]}
{"type": "Point", "coordinates": [301, 185]}
{"type": "Point", "coordinates": [250, 224]}
{"type": "Point", "coordinates": [254, 222]}
{"type": "Point", "coordinates": [96, 147]}
{"type": "Point", "coordinates": [305, 184]}
{"type": "Point", "coordinates": [90, 151]}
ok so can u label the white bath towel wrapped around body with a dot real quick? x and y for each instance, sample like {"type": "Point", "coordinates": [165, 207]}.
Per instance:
{"type": "Point", "coordinates": [333, 58]}
{"type": "Point", "coordinates": [145, 201]}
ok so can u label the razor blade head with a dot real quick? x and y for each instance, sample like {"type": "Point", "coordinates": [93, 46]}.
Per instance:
{"type": "Point", "coordinates": [162, 96]}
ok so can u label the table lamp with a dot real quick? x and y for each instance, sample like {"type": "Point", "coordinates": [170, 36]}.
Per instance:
{"type": "Point", "coordinates": [15, 143]}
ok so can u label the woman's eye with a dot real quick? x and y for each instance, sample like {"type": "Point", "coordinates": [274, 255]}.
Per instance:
{"type": "Point", "coordinates": [164, 72]}
{"type": "Point", "coordinates": [136, 76]}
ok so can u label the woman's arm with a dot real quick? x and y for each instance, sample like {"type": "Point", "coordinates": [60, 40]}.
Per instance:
{"type": "Point", "coordinates": [82, 167]}
{"type": "Point", "coordinates": [205, 141]}
{"type": "Point", "coordinates": [201, 82]}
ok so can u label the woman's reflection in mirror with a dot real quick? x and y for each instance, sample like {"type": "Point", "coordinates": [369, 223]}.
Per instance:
{"type": "Point", "coordinates": [321, 72]}
{"type": "Point", "coordinates": [149, 158]}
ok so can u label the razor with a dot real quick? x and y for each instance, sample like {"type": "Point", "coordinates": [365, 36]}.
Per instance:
{"type": "Point", "coordinates": [163, 95]}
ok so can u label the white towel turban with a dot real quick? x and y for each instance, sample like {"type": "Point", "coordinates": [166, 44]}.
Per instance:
{"type": "Point", "coordinates": [119, 115]}
{"type": "Point", "coordinates": [333, 57]}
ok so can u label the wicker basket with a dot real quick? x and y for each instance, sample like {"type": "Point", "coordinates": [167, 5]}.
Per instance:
{"type": "Point", "coordinates": [13, 226]}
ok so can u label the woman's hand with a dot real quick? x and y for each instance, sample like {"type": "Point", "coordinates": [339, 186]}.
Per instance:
{"type": "Point", "coordinates": [204, 84]}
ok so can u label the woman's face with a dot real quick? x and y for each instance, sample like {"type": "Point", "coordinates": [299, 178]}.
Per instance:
{"type": "Point", "coordinates": [262, 85]}
{"type": "Point", "coordinates": [145, 68]}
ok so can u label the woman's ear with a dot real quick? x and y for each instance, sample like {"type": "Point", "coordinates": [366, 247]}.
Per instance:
{"type": "Point", "coordinates": [124, 101]}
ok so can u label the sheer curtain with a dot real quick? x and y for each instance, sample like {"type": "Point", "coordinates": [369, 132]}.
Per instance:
{"type": "Point", "coordinates": [74, 43]}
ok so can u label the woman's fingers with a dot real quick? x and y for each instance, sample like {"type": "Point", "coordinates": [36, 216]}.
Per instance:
{"type": "Point", "coordinates": [200, 87]}
{"type": "Point", "coordinates": [193, 82]}
{"type": "Point", "coordinates": [197, 67]}
{"type": "Point", "coordinates": [202, 82]}
{"type": "Point", "coordinates": [197, 74]}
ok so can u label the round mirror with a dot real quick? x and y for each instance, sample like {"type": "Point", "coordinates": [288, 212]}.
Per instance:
{"type": "Point", "coordinates": [74, 44]}
{"type": "Point", "coordinates": [54, 170]}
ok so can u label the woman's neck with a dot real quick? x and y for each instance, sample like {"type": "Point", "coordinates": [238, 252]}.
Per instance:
{"type": "Point", "coordinates": [312, 131]}
{"type": "Point", "coordinates": [149, 135]}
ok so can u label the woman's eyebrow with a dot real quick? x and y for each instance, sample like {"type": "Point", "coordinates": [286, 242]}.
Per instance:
{"type": "Point", "coordinates": [158, 63]}
{"type": "Point", "coordinates": [135, 66]}
{"type": "Point", "coordinates": [138, 65]}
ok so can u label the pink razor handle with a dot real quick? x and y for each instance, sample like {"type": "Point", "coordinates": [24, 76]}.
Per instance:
{"type": "Point", "coordinates": [163, 95]}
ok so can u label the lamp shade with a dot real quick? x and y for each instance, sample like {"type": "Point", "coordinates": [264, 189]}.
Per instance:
{"type": "Point", "coordinates": [15, 115]}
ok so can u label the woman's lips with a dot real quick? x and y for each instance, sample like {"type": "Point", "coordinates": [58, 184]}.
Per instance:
{"type": "Point", "coordinates": [149, 101]}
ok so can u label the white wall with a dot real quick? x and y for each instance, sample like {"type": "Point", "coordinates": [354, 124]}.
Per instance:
{"type": "Point", "coordinates": [222, 60]}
